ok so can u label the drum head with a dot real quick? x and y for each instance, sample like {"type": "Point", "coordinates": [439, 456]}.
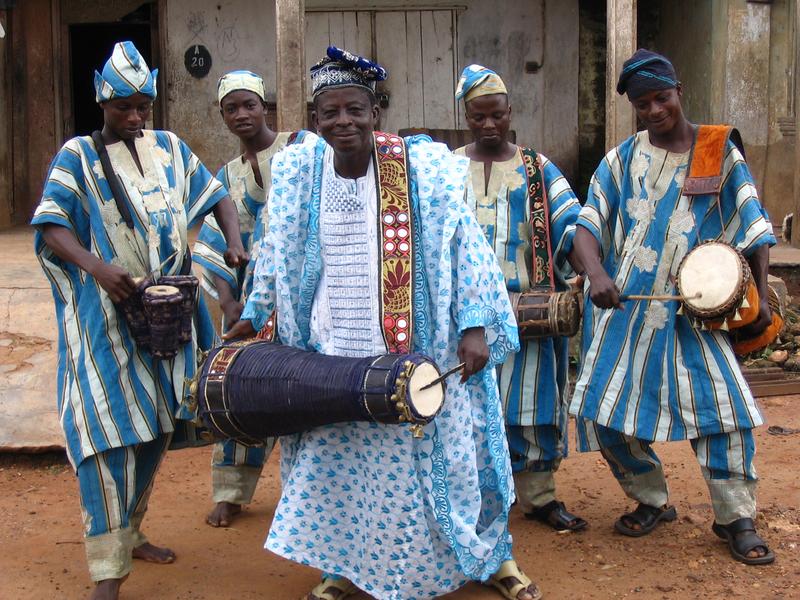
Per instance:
{"type": "Point", "coordinates": [714, 272]}
{"type": "Point", "coordinates": [162, 290]}
{"type": "Point", "coordinates": [426, 403]}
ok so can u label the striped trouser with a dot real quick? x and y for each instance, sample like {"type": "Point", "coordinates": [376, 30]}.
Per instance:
{"type": "Point", "coordinates": [536, 453]}
{"type": "Point", "coordinates": [235, 469]}
{"type": "Point", "coordinates": [726, 461]}
{"type": "Point", "coordinates": [115, 486]}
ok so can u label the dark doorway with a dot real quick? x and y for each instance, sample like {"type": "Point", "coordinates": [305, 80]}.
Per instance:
{"type": "Point", "coordinates": [90, 46]}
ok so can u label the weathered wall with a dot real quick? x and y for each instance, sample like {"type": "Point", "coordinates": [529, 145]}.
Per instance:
{"type": "Point", "coordinates": [239, 34]}
{"type": "Point", "coordinates": [6, 207]}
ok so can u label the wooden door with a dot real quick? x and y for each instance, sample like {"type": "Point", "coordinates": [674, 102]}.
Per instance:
{"type": "Point", "coordinates": [416, 47]}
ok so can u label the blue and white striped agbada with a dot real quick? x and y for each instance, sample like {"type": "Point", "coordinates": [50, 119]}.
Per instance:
{"type": "Point", "coordinates": [646, 371]}
{"type": "Point", "coordinates": [532, 381]}
{"type": "Point", "coordinates": [111, 393]}
{"type": "Point", "coordinates": [125, 74]}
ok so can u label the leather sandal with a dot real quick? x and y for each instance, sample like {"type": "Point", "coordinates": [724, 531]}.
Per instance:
{"type": "Point", "coordinates": [508, 569]}
{"type": "Point", "coordinates": [344, 586]}
{"type": "Point", "coordinates": [742, 538]}
{"type": "Point", "coordinates": [646, 517]}
{"type": "Point", "coordinates": [555, 514]}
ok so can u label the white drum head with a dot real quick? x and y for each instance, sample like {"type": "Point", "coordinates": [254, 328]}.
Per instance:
{"type": "Point", "coordinates": [713, 271]}
{"type": "Point", "coordinates": [426, 403]}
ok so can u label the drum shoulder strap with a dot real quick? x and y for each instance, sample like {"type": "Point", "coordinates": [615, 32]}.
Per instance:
{"type": "Point", "coordinates": [396, 237]}
{"type": "Point", "coordinates": [707, 159]}
{"type": "Point", "coordinates": [112, 179]}
{"type": "Point", "coordinates": [541, 274]}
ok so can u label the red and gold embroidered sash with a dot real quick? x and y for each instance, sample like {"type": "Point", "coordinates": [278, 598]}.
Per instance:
{"type": "Point", "coordinates": [396, 242]}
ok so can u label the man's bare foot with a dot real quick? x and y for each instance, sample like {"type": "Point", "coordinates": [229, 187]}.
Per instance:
{"type": "Point", "coordinates": [154, 554]}
{"type": "Point", "coordinates": [108, 589]}
{"type": "Point", "coordinates": [222, 514]}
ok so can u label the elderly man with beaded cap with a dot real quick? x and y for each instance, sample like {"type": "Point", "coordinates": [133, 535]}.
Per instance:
{"type": "Point", "coordinates": [119, 405]}
{"type": "Point", "coordinates": [648, 373]}
{"type": "Point", "coordinates": [235, 468]}
{"type": "Point", "coordinates": [371, 248]}
{"type": "Point", "coordinates": [528, 211]}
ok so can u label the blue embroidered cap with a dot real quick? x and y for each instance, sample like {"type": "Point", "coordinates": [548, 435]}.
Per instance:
{"type": "Point", "coordinates": [125, 74]}
{"type": "Point", "coordinates": [644, 72]}
{"type": "Point", "coordinates": [341, 68]}
{"type": "Point", "coordinates": [476, 81]}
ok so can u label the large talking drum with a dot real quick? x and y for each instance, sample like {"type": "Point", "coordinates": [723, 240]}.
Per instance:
{"type": "Point", "coordinates": [254, 390]}
{"type": "Point", "coordinates": [542, 313]}
{"type": "Point", "coordinates": [717, 287]}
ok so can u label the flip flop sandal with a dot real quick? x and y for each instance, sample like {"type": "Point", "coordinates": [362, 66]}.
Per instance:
{"type": "Point", "coordinates": [555, 514]}
{"type": "Point", "coordinates": [742, 538]}
{"type": "Point", "coordinates": [344, 587]}
{"type": "Point", "coordinates": [647, 517]}
{"type": "Point", "coordinates": [508, 569]}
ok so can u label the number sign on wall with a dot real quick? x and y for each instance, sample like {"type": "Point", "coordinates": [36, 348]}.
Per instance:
{"type": "Point", "coordinates": [197, 61]}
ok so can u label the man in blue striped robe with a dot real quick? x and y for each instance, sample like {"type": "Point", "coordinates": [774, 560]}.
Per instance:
{"type": "Point", "coordinates": [235, 468]}
{"type": "Point", "coordinates": [533, 382]}
{"type": "Point", "coordinates": [647, 374]}
{"type": "Point", "coordinates": [118, 404]}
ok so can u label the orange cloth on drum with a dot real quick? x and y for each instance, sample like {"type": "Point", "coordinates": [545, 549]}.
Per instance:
{"type": "Point", "coordinates": [709, 150]}
{"type": "Point", "coordinates": [761, 341]}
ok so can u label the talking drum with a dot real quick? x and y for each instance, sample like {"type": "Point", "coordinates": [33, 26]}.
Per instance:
{"type": "Point", "coordinates": [187, 284]}
{"type": "Point", "coordinates": [251, 391]}
{"type": "Point", "coordinates": [163, 306]}
{"type": "Point", "coordinates": [717, 287]}
{"type": "Point", "coordinates": [132, 309]}
{"type": "Point", "coordinates": [542, 313]}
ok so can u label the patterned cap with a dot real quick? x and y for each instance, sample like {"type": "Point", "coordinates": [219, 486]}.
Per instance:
{"type": "Point", "coordinates": [645, 72]}
{"type": "Point", "coordinates": [341, 69]}
{"type": "Point", "coordinates": [240, 80]}
{"type": "Point", "coordinates": [125, 74]}
{"type": "Point", "coordinates": [478, 81]}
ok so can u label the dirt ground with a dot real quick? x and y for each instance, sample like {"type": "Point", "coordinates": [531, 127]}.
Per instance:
{"type": "Point", "coordinates": [42, 554]}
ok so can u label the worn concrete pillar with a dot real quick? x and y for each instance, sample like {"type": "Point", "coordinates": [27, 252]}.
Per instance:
{"type": "Point", "coordinates": [6, 188]}
{"type": "Point", "coordinates": [290, 23]}
{"type": "Point", "coordinates": [620, 44]}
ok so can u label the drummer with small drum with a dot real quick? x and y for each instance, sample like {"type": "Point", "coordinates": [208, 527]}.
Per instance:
{"type": "Point", "coordinates": [660, 366]}
{"type": "Point", "coordinates": [527, 211]}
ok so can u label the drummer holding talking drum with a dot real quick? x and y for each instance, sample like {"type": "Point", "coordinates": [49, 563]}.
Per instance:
{"type": "Point", "coordinates": [657, 368]}
{"type": "Point", "coordinates": [371, 249]}
{"type": "Point", "coordinates": [527, 211]}
{"type": "Point", "coordinates": [235, 468]}
{"type": "Point", "coordinates": [114, 213]}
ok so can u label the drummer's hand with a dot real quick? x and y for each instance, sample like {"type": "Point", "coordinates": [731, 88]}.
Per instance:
{"type": "Point", "coordinates": [242, 329]}
{"type": "Point", "coordinates": [473, 351]}
{"type": "Point", "coordinates": [115, 280]}
{"type": "Point", "coordinates": [232, 310]}
{"type": "Point", "coordinates": [603, 291]}
{"type": "Point", "coordinates": [236, 255]}
{"type": "Point", "coordinates": [763, 321]}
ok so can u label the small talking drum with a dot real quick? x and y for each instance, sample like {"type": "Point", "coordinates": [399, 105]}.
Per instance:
{"type": "Point", "coordinates": [743, 345]}
{"type": "Point", "coordinates": [163, 306]}
{"type": "Point", "coordinates": [717, 287]}
{"type": "Point", "coordinates": [187, 284]}
{"type": "Point", "coordinates": [254, 390]}
{"type": "Point", "coordinates": [542, 313]}
{"type": "Point", "coordinates": [132, 309]}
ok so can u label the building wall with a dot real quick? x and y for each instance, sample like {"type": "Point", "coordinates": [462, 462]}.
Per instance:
{"type": "Point", "coordinates": [6, 169]}
{"type": "Point", "coordinates": [544, 101]}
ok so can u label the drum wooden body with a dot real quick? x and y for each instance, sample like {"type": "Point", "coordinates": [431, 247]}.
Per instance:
{"type": "Point", "coordinates": [718, 288]}
{"type": "Point", "coordinates": [187, 284]}
{"type": "Point", "coordinates": [163, 305]}
{"type": "Point", "coordinates": [255, 390]}
{"type": "Point", "coordinates": [132, 309]}
{"type": "Point", "coordinates": [542, 313]}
